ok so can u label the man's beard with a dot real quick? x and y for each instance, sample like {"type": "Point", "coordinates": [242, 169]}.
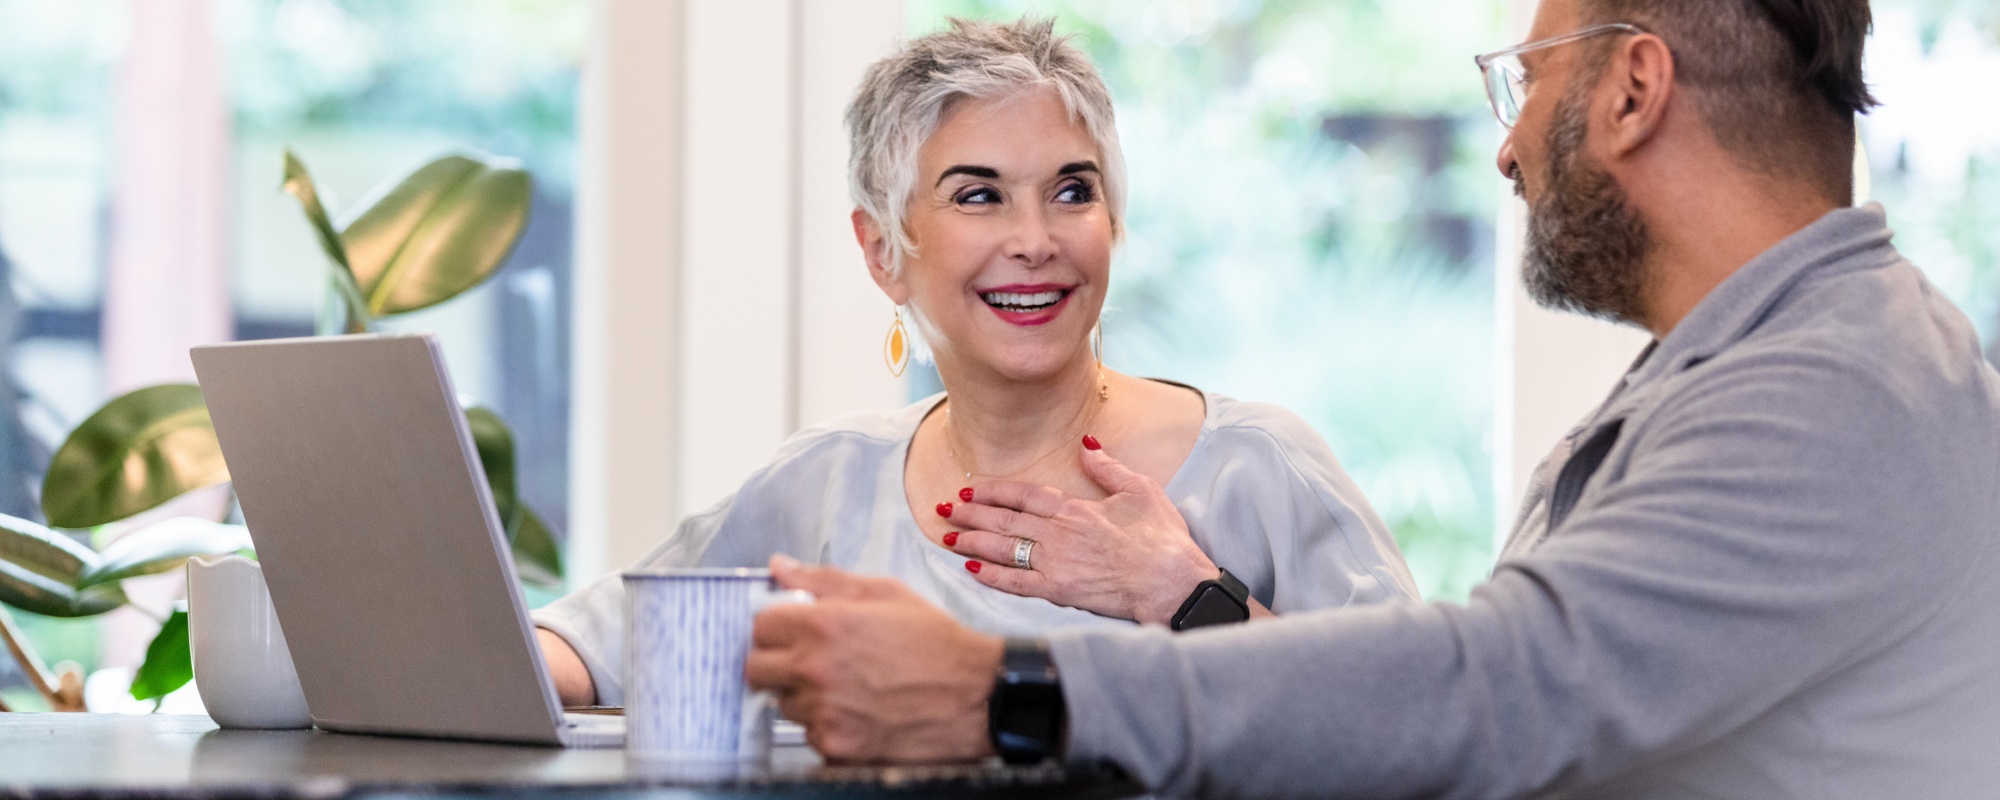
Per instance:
{"type": "Point", "coordinates": [1586, 247]}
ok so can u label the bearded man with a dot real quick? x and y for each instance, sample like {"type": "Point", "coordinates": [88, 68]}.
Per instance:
{"type": "Point", "coordinates": [1767, 567]}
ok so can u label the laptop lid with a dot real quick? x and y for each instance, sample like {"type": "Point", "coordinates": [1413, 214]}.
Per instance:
{"type": "Point", "coordinates": [386, 561]}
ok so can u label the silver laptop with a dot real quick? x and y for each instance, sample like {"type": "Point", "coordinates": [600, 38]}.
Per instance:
{"type": "Point", "coordinates": [378, 537]}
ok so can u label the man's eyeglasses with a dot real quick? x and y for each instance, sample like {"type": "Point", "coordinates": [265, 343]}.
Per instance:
{"type": "Point", "coordinates": [1506, 79]}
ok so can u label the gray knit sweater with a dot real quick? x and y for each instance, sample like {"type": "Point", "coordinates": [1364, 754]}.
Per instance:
{"type": "Point", "coordinates": [1780, 580]}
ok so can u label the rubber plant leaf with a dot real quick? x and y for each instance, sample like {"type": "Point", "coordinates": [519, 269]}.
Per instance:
{"type": "Point", "coordinates": [138, 451]}
{"type": "Point", "coordinates": [299, 184]}
{"type": "Point", "coordinates": [536, 557]}
{"type": "Point", "coordinates": [37, 549]}
{"type": "Point", "coordinates": [163, 546]}
{"type": "Point", "coordinates": [437, 232]}
{"type": "Point", "coordinates": [40, 568]}
{"type": "Point", "coordinates": [31, 592]}
{"type": "Point", "coordinates": [169, 664]}
{"type": "Point", "coordinates": [495, 444]}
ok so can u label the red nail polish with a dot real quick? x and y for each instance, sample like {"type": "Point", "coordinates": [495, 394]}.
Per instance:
{"type": "Point", "coordinates": [944, 509]}
{"type": "Point", "coordinates": [1090, 443]}
{"type": "Point", "coordinates": [965, 494]}
{"type": "Point", "coordinates": [951, 539]}
{"type": "Point", "coordinates": [972, 567]}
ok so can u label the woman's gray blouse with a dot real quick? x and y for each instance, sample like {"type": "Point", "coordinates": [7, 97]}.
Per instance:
{"type": "Point", "coordinates": [1261, 493]}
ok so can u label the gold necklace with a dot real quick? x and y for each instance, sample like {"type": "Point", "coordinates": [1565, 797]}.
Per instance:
{"type": "Point", "coordinates": [951, 437]}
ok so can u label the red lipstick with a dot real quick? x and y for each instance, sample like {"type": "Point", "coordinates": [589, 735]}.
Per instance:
{"type": "Point", "coordinates": [1037, 316]}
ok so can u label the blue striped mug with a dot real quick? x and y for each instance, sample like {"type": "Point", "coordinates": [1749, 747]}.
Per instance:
{"type": "Point", "coordinates": [688, 633]}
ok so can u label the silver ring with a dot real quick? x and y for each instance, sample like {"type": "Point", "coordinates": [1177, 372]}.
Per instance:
{"type": "Point", "coordinates": [1023, 548]}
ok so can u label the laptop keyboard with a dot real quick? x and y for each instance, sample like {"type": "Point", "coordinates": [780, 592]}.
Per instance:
{"type": "Point", "coordinates": [606, 730]}
{"type": "Point", "coordinates": [593, 730]}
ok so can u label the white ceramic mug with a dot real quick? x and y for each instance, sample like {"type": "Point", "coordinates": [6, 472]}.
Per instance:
{"type": "Point", "coordinates": [242, 666]}
{"type": "Point", "coordinates": [688, 635]}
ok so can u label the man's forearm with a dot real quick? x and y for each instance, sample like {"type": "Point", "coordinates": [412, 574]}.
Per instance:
{"type": "Point", "coordinates": [1280, 708]}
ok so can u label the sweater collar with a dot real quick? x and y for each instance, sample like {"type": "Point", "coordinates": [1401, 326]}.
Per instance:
{"type": "Point", "coordinates": [1736, 305]}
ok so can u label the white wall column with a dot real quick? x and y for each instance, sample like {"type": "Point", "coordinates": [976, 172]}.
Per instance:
{"type": "Point", "coordinates": [168, 287]}
{"type": "Point", "coordinates": [843, 317]}
{"type": "Point", "coordinates": [736, 325]}
{"type": "Point", "coordinates": [781, 324]}
{"type": "Point", "coordinates": [625, 378]}
{"type": "Point", "coordinates": [721, 300]}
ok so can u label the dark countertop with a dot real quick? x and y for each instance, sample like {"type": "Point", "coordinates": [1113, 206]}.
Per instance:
{"type": "Point", "coordinates": [109, 755]}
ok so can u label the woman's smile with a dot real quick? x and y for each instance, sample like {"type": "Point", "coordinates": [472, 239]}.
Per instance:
{"type": "Point", "coordinates": [1009, 215]}
{"type": "Point", "coordinates": [1026, 305]}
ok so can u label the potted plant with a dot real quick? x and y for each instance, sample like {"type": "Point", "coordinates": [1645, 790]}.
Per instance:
{"type": "Point", "coordinates": [416, 242]}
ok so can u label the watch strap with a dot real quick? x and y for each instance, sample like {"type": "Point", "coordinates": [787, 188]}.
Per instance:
{"type": "Point", "coordinates": [1025, 717]}
{"type": "Point", "coordinates": [1218, 601]}
{"type": "Point", "coordinates": [1234, 587]}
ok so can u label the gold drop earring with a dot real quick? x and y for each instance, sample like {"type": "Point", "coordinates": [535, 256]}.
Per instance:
{"type": "Point", "coordinates": [1097, 351]}
{"type": "Point", "coordinates": [896, 348]}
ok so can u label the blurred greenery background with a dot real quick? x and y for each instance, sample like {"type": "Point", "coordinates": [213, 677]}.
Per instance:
{"type": "Point", "coordinates": [361, 89]}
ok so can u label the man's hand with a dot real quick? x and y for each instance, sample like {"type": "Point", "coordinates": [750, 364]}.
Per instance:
{"type": "Point", "coordinates": [1127, 556]}
{"type": "Point", "coordinates": [874, 673]}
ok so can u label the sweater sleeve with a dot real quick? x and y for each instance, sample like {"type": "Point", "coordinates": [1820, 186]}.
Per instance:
{"type": "Point", "coordinates": [592, 619]}
{"type": "Point", "coordinates": [1744, 553]}
{"type": "Point", "coordinates": [780, 508]}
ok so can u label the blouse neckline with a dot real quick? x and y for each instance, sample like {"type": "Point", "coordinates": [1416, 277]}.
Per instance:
{"type": "Point", "coordinates": [921, 410]}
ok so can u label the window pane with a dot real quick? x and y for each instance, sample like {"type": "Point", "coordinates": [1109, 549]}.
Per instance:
{"type": "Point", "coordinates": [1933, 146]}
{"type": "Point", "coordinates": [363, 90]}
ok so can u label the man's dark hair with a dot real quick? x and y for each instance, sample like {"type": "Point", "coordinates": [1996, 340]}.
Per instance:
{"type": "Point", "coordinates": [1779, 81]}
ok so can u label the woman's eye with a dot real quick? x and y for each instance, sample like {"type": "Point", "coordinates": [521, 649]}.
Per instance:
{"type": "Point", "coordinates": [1077, 193]}
{"type": "Point", "coordinates": [978, 196]}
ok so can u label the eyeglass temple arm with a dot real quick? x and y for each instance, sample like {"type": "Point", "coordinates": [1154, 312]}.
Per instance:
{"type": "Point", "coordinates": [1582, 33]}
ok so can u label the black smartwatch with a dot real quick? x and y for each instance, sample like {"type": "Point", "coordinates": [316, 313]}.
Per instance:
{"type": "Point", "coordinates": [1222, 601]}
{"type": "Point", "coordinates": [1025, 717]}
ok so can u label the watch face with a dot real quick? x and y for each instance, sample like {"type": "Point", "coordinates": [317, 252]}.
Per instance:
{"type": "Point", "coordinates": [1027, 726]}
{"type": "Point", "coordinates": [1214, 607]}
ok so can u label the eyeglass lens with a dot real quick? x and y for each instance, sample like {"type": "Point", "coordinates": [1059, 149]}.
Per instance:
{"type": "Point", "coordinates": [1504, 87]}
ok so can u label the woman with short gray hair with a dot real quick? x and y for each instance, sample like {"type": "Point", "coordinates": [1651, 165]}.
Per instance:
{"type": "Point", "coordinates": [989, 191]}
{"type": "Point", "coordinates": [903, 98]}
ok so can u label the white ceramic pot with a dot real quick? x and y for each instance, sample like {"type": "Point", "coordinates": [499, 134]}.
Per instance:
{"type": "Point", "coordinates": [241, 664]}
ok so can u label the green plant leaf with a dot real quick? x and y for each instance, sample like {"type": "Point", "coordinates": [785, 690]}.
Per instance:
{"type": "Point", "coordinates": [43, 595]}
{"type": "Point", "coordinates": [537, 559]}
{"type": "Point", "coordinates": [299, 184]}
{"type": "Point", "coordinates": [169, 664]}
{"type": "Point", "coordinates": [437, 232]}
{"type": "Point", "coordinates": [138, 451]}
{"type": "Point", "coordinates": [164, 546]}
{"type": "Point", "coordinates": [40, 570]}
{"type": "Point", "coordinates": [44, 552]}
{"type": "Point", "coordinates": [495, 444]}
{"type": "Point", "coordinates": [32, 591]}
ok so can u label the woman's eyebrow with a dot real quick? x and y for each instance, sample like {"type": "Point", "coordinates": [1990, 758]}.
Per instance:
{"type": "Point", "coordinates": [1078, 166]}
{"type": "Point", "coordinates": [988, 173]}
